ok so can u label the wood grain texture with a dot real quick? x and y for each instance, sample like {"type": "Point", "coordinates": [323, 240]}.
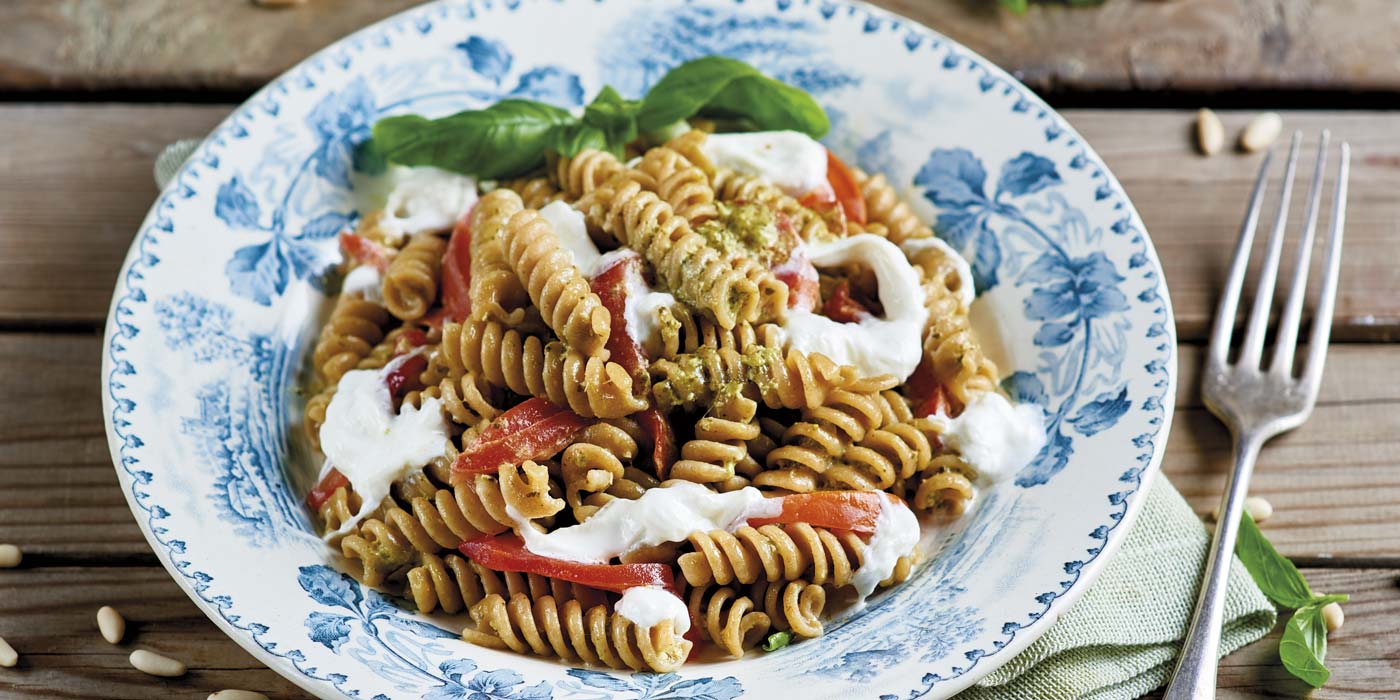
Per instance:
{"type": "Point", "coordinates": [1334, 483]}
{"type": "Point", "coordinates": [1122, 45]}
{"type": "Point", "coordinates": [82, 182]}
{"type": "Point", "coordinates": [77, 179]}
{"type": "Point", "coordinates": [48, 616]}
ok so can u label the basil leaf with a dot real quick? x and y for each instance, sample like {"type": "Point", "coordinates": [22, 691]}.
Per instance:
{"type": "Point", "coordinates": [568, 140]}
{"type": "Point", "coordinates": [724, 87]}
{"type": "Point", "coordinates": [1304, 646]}
{"type": "Point", "coordinates": [614, 116]}
{"type": "Point", "coordinates": [777, 641]}
{"type": "Point", "coordinates": [1276, 576]}
{"type": "Point", "coordinates": [1321, 600]}
{"type": "Point", "coordinates": [505, 139]}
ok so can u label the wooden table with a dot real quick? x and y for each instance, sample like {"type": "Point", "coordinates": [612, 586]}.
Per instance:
{"type": "Point", "coordinates": [91, 90]}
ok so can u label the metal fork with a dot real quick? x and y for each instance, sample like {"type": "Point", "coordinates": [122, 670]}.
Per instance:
{"type": "Point", "coordinates": [1258, 403]}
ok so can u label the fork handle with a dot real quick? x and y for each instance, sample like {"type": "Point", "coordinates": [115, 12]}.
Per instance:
{"type": "Point", "coordinates": [1194, 677]}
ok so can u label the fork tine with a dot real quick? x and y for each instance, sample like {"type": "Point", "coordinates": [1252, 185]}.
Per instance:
{"type": "Point", "coordinates": [1322, 320]}
{"type": "Point", "coordinates": [1230, 294]}
{"type": "Point", "coordinates": [1253, 345]}
{"type": "Point", "coordinates": [1287, 338]}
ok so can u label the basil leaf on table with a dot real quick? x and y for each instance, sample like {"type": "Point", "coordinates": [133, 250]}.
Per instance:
{"type": "Point", "coordinates": [1277, 577]}
{"type": "Point", "coordinates": [724, 87]}
{"type": "Point", "coordinates": [505, 139]}
{"type": "Point", "coordinates": [1304, 646]}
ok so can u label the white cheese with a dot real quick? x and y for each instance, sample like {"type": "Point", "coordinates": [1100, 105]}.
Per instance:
{"type": "Point", "coordinates": [573, 236]}
{"type": "Point", "coordinates": [641, 304]}
{"type": "Point", "coordinates": [416, 199]}
{"type": "Point", "coordinates": [896, 535]}
{"type": "Point", "coordinates": [966, 291]}
{"type": "Point", "coordinates": [791, 160]}
{"type": "Point", "coordinates": [994, 435]}
{"type": "Point", "coordinates": [667, 514]}
{"type": "Point", "coordinates": [648, 607]}
{"type": "Point", "coordinates": [372, 446]}
{"type": "Point", "coordinates": [366, 281]}
{"type": "Point", "coordinates": [889, 345]}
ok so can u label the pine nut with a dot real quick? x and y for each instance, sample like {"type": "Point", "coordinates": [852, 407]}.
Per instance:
{"type": "Point", "coordinates": [8, 656]}
{"type": "Point", "coordinates": [111, 623]}
{"type": "Point", "coordinates": [1258, 508]}
{"type": "Point", "coordinates": [10, 556]}
{"type": "Point", "coordinates": [1333, 617]}
{"type": "Point", "coordinates": [156, 665]}
{"type": "Point", "coordinates": [1261, 131]}
{"type": "Point", "coordinates": [237, 695]}
{"type": "Point", "coordinates": [1210, 132]}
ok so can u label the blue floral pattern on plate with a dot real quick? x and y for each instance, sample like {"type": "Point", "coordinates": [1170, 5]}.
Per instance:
{"type": "Point", "coordinates": [217, 302]}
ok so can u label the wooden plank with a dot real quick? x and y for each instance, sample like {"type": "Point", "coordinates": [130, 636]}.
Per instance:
{"type": "Point", "coordinates": [1335, 482]}
{"type": "Point", "coordinates": [47, 614]}
{"type": "Point", "coordinates": [78, 183]}
{"type": "Point", "coordinates": [82, 184]}
{"type": "Point", "coordinates": [1123, 45]}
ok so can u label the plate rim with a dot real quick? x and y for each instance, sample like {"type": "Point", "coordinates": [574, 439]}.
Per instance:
{"type": "Point", "coordinates": [980, 667]}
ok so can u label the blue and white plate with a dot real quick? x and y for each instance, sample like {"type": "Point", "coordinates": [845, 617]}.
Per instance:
{"type": "Point", "coordinates": [220, 295]}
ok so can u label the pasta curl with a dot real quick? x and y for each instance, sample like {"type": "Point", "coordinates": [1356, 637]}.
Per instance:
{"type": "Point", "coordinates": [496, 293]}
{"type": "Point", "coordinates": [772, 553]}
{"type": "Point", "coordinates": [958, 361]}
{"type": "Point", "coordinates": [564, 629]}
{"type": "Point", "coordinates": [728, 619]}
{"type": "Point", "coordinates": [585, 172]}
{"type": "Point", "coordinates": [535, 192]}
{"type": "Point", "coordinates": [454, 583]}
{"type": "Point", "coordinates": [795, 606]}
{"type": "Point", "coordinates": [719, 454]}
{"type": "Point", "coordinates": [557, 288]}
{"type": "Point", "coordinates": [593, 465]}
{"type": "Point", "coordinates": [883, 206]}
{"type": "Point", "coordinates": [356, 325]}
{"type": "Point", "coordinates": [813, 446]}
{"type": "Point", "coordinates": [527, 365]}
{"type": "Point", "coordinates": [411, 284]}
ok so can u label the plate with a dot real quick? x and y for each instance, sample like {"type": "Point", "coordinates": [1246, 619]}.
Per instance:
{"type": "Point", "coordinates": [219, 296]}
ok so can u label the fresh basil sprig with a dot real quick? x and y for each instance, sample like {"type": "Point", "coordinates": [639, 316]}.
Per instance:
{"type": "Point", "coordinates": [723, 87]}
{"type": "Point", "coordinates": [511, 137]}
{"type": "Point", "coordinates": [1304, 644]}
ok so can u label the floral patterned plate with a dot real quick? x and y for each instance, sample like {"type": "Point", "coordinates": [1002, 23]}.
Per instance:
{"type": "Point", "coordinates": [218, 299]}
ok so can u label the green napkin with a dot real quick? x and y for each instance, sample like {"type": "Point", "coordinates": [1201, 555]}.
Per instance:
{"type": "Point", "coordinates": [1120, 640]}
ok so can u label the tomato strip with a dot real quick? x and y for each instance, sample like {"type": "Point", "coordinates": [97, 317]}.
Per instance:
{"type": "Point", "coordinates": [326, 488]}
{"type": "Point", "coordinates": [507, 552]}
{"type": "Point", "coordinates": [836, 510]}
{"type": "Point", "coordinates": [663, 440]}
{"type": "Point", "coordinates": [843, 308]}
{"type": "Point", "coordinates": [406, 375]}
{"type": "Point", "coordinates": [847, 190]}
{"type": "Point", "coordinates": [457, 271]}
{"type": "Point", "coordinates": [611, 284]}
{"type": "Point", "coordinates": [365, 251]}
{"type": "Point", "coordinates": [535, 429]}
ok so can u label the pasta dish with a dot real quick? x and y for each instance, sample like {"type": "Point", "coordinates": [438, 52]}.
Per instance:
{"type": "Point", "coordinates": [661, 375]}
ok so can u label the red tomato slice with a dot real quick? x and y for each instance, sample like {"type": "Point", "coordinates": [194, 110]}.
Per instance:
{"type": "Point", "coordinates": [400, 379]}
{"type": "Point", "coordinates": [841, 307]}
{"type": "Point", "coordinates": [457, 272]}
{"type": "Point", "coordinates": [533, 430]}
{"type": "Point", "coordinates": [663, 440]}
{"type": "Point", "coordinates": [415, 337]}
{"type": "Point", "coordinates": [507, 553]}
{"type": "Point", "coordinates": [611, 284]}
{"type": "Point", "coordinates": [836, 510]}
{"type": "Point", "coordinates": [326, 488]}
{"type": "Point", "coordinates": [822, 198]}
{"type": "Point", "coordinates": [365, 251]}
{"type": "Point", "coordinates": [800, 275]}
{"type": "Point", "coordinates": [846, 189]}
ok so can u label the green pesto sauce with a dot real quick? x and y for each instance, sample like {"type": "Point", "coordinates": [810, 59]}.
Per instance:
{"type": "Point", "coordinates": [748, 229]}
{"type": "Point", "coordinates": [759, 361]}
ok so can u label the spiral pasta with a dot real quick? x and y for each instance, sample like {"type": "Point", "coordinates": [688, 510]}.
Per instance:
{"type": "Point", "coordinates": [564, 629]}
{"type": "Point", "coordinates": [697, 273]}
{"type": "Point", "coordinates": [557, 288]}
{"type": "Point", "coordinates": [719, 453]}
{"type": "Point", "coordinates": [728, 619]}
{"type": "Point", "coordinates": [593, 464]}
{"type": "Point", "coordinates": [886, 455]}
{"type": "Point", "coordinates": [958, 361]}
{"type": "Point", "coordinates": [683, 331]}
{"type": "Point", "coordinates": [535, 192]}
{"type": "Point", "coordinates": [411, 284]}
{"type": "Point", "coordinates": [794, 606]}
{"type": "Point", "coordinates": [731, 186]}
{"type": "Point", "coordinates": [496, 291]}
{"type": "Point", "coordinates": [529, 366]}
{"type": "Point", "coordinates": [454, 583]}
{"type": "Point", "coordinates": [888, 214]}
{"type": "Point", "coordinates": [356, 325]}
{"type": "Point", "coordinates": [813, 446]}
{"type": "Point", "coordinates": [585, 172]}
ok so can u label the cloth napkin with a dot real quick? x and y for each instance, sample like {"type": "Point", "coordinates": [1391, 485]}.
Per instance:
{"type": "Point", "coordinates": [1121, 639]}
